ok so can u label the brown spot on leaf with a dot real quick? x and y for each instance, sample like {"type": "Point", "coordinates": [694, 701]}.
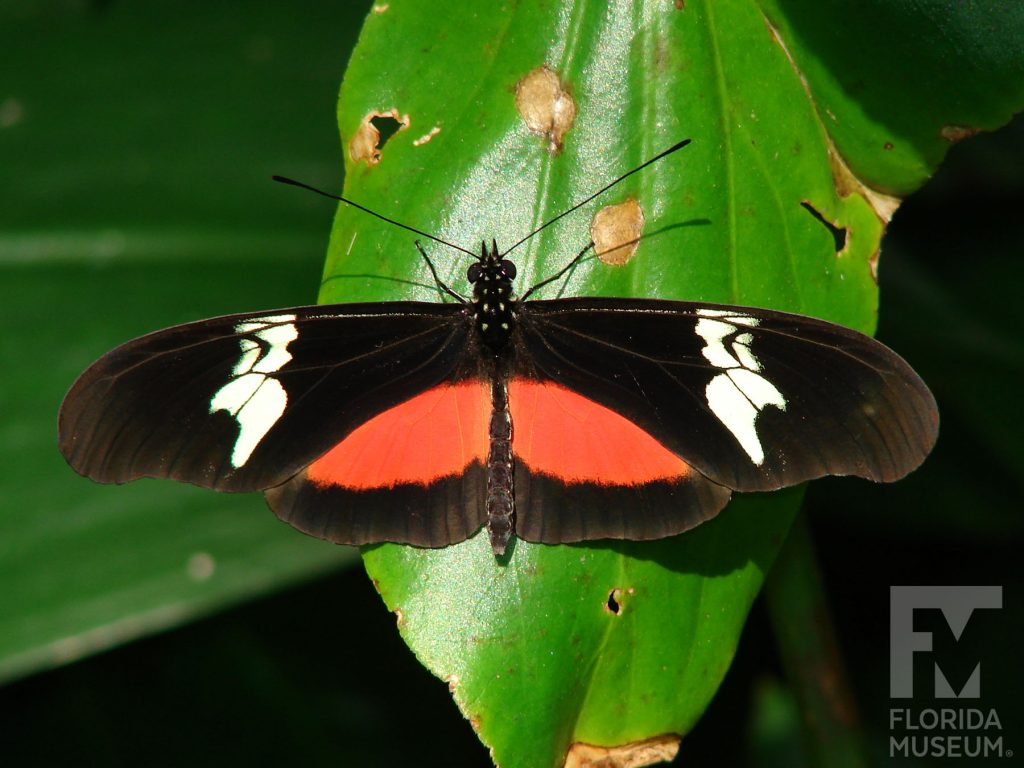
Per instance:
{"type": "Point", "coordinates": [680, 5]}
{"type": "Point", "coordinates": [616, 231]}
{"type": "Point", "coordinates": [427, 136]}
{"type": "Point", "coordinates": [660, 749]}
{"type": "Point", "coordinates": [873, 264]}
{"type": "Point", "coordinates": [847, 184]}
{"type": "Point", "coordinates": [955, 133]}
{"type": "Point", "coordinates": [366, 144]}
{"type": "Point", "coordinates": [399, 617]}
{"type": "Point", "coordinates": [546, 106]}
{"type": "Point", "coordinates": [381, 8]}
{"type": "Point", "coordinates": [12, 112]}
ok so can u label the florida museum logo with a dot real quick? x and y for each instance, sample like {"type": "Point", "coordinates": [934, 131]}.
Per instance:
{"type": "Point", "coordinates": [954, 723]}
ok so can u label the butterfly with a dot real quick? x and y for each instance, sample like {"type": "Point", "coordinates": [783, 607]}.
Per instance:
{"type": "Point", "coordinates": [553, 421]}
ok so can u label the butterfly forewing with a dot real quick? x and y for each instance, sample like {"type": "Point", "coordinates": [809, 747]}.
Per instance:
{"type": "Point", "coordinates": [244, 402]}
{"type": "Point", "coordinates": [752, 399]}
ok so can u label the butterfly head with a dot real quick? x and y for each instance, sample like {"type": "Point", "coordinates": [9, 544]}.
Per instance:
{"type": "Point", "coordinates": [493, 303]}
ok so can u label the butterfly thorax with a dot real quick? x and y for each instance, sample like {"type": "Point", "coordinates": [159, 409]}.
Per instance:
{"type": "Point", "coordinates": [493, 302]}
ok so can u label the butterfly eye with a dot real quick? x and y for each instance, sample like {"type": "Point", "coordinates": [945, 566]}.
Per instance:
{"type": "Point", "coordinates": [508, 269]}
{"type": "Point", "coordinates": [473, 273]}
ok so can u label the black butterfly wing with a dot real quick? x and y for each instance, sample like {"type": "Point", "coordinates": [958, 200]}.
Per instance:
{"type": "Point", "coordinates": [747, 399]}
{"type": "Point", "coordinates": [244, 402]}
{"type": "Point", "coordinates": [753, 399]}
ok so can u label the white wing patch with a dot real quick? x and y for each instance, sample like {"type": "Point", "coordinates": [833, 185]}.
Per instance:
{"type": "Point", "coordinates": [254, 398]}
{"type": "Point", "coordinates": [738, 394]}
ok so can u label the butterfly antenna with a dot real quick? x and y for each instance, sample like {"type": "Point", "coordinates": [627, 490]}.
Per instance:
{"type": "Point", "coordinates": [601, 191]}
{"type": "Point", "coordinates": [441, 285]}
{"type": "Point", "coordinates": [364, 209]}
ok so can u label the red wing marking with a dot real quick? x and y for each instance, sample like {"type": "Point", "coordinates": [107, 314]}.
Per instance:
{"type": "Point", "coordinates": [435, 434]}
{"type": "Point", "coordinates": [565, 435]}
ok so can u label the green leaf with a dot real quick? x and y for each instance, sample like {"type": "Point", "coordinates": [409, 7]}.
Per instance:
{"type": "Point", "coordinates": [136, 196]}
{"type": "Point", "coordinates": [896, 84]}
{"type": "Point", "coordinates": [781, 201]}
{"type": "Point", "coordinates": [605, 643]}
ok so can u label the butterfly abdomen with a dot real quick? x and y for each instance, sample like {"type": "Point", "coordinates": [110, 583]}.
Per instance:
{"type": "Point", "coordinates": [500, 505]}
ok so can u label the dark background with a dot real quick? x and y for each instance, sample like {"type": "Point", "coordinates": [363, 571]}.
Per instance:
{"type": "Point", "coordinates": [317, 675]}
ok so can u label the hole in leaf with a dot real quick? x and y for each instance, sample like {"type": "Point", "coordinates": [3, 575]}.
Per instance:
{"type": "Point", "coordinates": [613, 605]}
{"type": "Point", "coordinates": [838, 233]}
{"type": "Point", "coordinates": [373, 133]}
{"type": "Point", "coordinates": [387, 126]}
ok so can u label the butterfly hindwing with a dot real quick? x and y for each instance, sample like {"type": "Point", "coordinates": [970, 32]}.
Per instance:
{"type": "Point", "coordinates": [412, 474]}
{"type": "Point", "coordinates": [244, 402]}
{"type": "Point", "coordinates": [584, 471]}
{"type": "Point", "coordinates": [752, 399]}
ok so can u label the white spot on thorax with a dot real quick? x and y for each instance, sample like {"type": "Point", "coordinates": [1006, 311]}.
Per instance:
{"type": "Point", "coordinates": [738, 394]}
{"type": "Point", "coordinates": [252, 396]}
